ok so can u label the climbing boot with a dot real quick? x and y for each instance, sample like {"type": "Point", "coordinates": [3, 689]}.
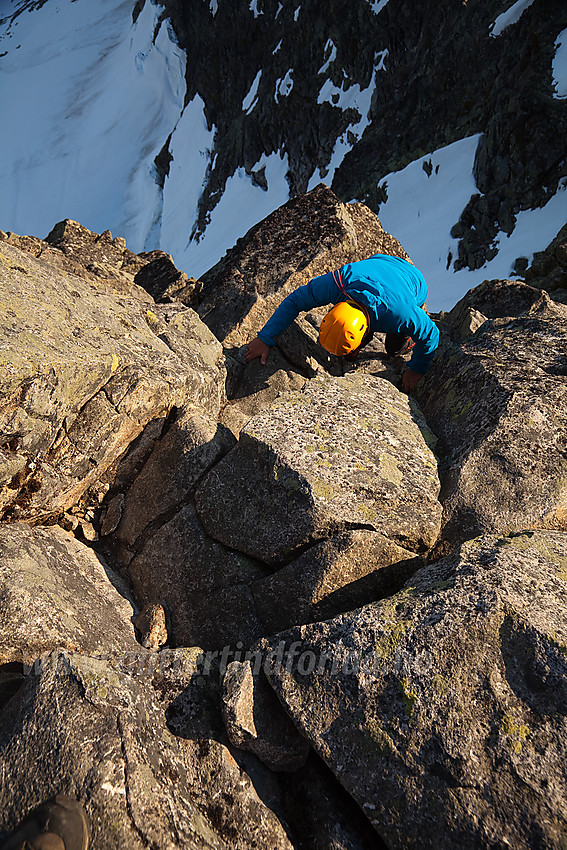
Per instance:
{"type": "Point", "coordinates": [58, 824]}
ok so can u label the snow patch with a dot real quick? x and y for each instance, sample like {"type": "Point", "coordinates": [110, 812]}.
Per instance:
{"type": "Point", "coordinates": [343, 98]}
{"type": "Point", "coordinates": [254, 9]}
{"type": "Point", "coordinates": [509, 17]}
{"type": "Point", "coordinates": [214, 7]}
{"type": "Point", "coordinates": [190, 146]}
{"type": "Point", "coordinates": [283, 86]}
{"type": "Point", "coordinates": [277, 47]}
{"type": "Point", "coordinates": [424, 203]}
{"type": "Point", "coordinates": [330, 54]}
{"type": "Point", "coordinates": [533, 232]}
{"type": "Point", "coordinates": [250, 100]}
{"type": "Point", "coordinates": [380, 60]}
{"type": "Point", "coordinates": [425, 200]}
{"type": "Point", "coordinates": [559, 65]}
{"type": "Point", "coordinates": [241, 207]}
{"type": "Point", "coordinates": [377, 5]}
{"type": "Point", "coordinates": [96, 98]}
{"type": "Point", "coordinates": [296, 13]}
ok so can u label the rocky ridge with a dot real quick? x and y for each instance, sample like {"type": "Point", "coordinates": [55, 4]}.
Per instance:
{"type": "Point", "coordinates": [281, 606]}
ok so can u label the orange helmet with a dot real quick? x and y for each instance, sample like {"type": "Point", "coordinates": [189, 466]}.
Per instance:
{"type": "Point", "coordinates": [343, 328]}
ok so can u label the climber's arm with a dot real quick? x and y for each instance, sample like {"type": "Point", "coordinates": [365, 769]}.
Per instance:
{"type": "Point", "coordinates": [319, 291]}
{"type": "Point", "coordinates": [425, 334]}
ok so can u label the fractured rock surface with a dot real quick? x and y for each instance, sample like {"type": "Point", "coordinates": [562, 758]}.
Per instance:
{"type": "Point", "coordinates": [442, 709]}
{"type": "Point", "coordinates": [55, 592]}
{"type": "Point", "coordinates": [334, 575]}
{"type": "Point", "coordinates": [83, 373]}
{"type": "Point", "coordinates": [141, 747]}
{"type": "Point", "coordinates": [344, 453]}
{"type": "Point", "coordinates": [204, 583]}
{"type": "Point", "coordinates": [189, 447]}
{"type": "Point", "coordinates": [248, 526]}
{"type": "Point", "coordinates": [497, 403]}
{"type": "Point", "coordinates": [255, 721]}
{"type": "Point", "coordinates": [95, 257]}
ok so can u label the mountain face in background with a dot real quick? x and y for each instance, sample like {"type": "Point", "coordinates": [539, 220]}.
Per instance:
{"type": "Point", "coordinates": [437, 75]}
{"type": "Point", "coordinates": [181, 125]}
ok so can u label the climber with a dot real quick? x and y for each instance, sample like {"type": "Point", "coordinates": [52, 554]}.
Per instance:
{"type": "Point", "coordinates": [383, 293]}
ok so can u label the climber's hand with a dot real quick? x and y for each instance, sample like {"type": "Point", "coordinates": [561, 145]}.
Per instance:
{"type": "Point", "coordinates": [410, 379]}
{"type": "Point", "coordinates": [257, 348]}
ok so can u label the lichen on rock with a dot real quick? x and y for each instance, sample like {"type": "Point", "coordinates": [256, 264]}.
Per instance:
{"type": "Point", "coordinates": [497, 405]}
{"type": "Point", "coordinates": [83, 373]}
{"type": "Point", "coordinates": [276, 521]}
{"type": "Point", "coordinates": [342, 453]}
{"type": "Point", "coordinates": [442, 708]}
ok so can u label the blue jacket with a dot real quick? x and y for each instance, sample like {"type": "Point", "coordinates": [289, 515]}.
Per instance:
{"type": "Point", "coordinates": [392, 289]}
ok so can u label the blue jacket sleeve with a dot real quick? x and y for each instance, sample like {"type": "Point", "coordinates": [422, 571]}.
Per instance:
{"type": "Point", "coordinates": [425, 334]}
{"type": "Point", "coordinates": [318, 292]}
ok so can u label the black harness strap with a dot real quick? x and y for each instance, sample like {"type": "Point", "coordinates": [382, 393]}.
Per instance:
{"type": "Point", "coordinates": [338, 278]}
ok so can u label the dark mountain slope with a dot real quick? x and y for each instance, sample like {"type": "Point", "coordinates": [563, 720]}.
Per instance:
{"type": "Point", "coordinates": [444, 77]}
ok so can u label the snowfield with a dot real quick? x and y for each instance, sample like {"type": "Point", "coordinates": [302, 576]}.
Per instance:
{"type": "Point", "coordinates": [559, 65]}
{"type": "Point", "coordinates": [96, 100]}
{"type": "Point", "coordinates": [89, 99]}
{"type": "Point", "coordinates": [424, 203]}
{"type": "Point", "coordinates": [509, 17]}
